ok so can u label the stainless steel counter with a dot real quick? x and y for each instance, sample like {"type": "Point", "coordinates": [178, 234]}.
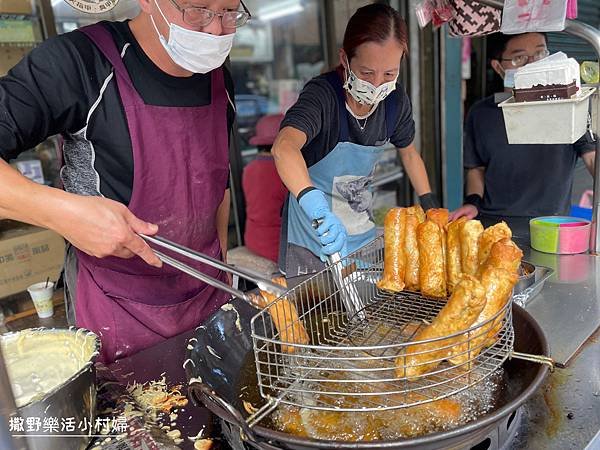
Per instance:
{"type": "Point", "coordinates": [565, 413]}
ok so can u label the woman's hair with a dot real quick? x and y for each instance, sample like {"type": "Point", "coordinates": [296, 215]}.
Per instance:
{"type": "Point", "coordinates": [374, 23]}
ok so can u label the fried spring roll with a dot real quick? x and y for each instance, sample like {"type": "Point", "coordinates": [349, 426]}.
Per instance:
{"type": "Point", "coordinates": [504, 255]}
{"type": "Point", "coordinates": [432, 259]}
{"type": "Point", "coordinates": [439, 216]}
{"type": "Point", "coordinates": [498, 285]}
{"type": "Point", "coordinates": [414, 217]}
{"type": "Point", "coordinates": [417, 211]}
{"type": "Point", "coordinates": [489, 237]}
{"type": "Point", "coordinates": [285, 318]}
{"type": "Point", "coordinates": [394, 257]}
{"type": "Point", "coordinates": [469, 246]}
{"type": "Point", "coordinates": [453, 256]}
{"type": "Point", "coordinates": [462, 309]}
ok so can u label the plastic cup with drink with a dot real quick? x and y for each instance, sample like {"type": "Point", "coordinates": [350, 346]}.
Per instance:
{"type": "Point", "coordinates": [41, 294]}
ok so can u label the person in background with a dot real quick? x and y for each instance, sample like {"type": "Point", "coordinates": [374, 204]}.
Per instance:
{"type": "Point", "coordinates": [264, 192]}
{"type": "Point", "coordinates": [332, 138]}
{"type": "Point", "coordinates": [144, 107]}
{"type": "Point", "coordinates": [515, 181]}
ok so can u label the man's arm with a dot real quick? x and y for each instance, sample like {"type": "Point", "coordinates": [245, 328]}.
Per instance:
{"type": "Point", "coordinates": [98, 226]}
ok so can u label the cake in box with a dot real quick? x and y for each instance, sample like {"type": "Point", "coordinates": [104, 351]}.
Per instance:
{"type": "Point", "coordinates": [552, 78]}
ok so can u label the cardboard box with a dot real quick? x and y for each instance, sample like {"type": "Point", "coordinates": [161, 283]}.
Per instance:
{"type": "Point", "coordinates": [28, 255]}
{"type": "Point", "coordinates": [16, 7]}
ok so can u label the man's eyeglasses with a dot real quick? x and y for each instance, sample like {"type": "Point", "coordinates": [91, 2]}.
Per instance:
{"type": "Point", "coordinates": [521, 60]}
{"type": "Point", "coordinates": [202, 17]}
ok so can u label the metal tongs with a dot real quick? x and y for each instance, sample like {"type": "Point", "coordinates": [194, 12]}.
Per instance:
{"type": "Point", "coordinates": [348, 292]}
{"type": "Point", "coordinates": [263, 284]}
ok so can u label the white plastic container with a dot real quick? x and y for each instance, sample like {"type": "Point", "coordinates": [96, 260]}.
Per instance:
{"type": "Point", "coordinates": [555, 69]}
{"type": "Point", "coordinates": [547, 122]}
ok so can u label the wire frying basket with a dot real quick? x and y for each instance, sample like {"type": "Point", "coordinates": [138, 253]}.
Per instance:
{"type": "Point", "coordinates": [321, 357]}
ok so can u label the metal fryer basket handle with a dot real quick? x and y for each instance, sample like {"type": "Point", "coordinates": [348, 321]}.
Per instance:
{"type": "Point", "coordinates": [199, 390]}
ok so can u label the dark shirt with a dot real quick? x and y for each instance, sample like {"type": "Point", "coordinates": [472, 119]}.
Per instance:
{"type": "Point", "coordinates": [520, 180]}
{"type": "Point", "coordinates": [53, 89]}
{"type": "Point", "coordinates": [316, 113]}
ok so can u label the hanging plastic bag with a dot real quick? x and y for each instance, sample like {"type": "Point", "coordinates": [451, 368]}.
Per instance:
{"type": "Point", "coordinates": [571, 9]}
{"type": "Point", "coordinates": [524, 16]}
{"type": "Point", "coordinates": [424, 12]}
{"type": "Point", "coordinates": [438, 12]}
{"type": "Point", "coordinates": [590, 72]}
{"type": "Point", "coordinates": [474, 19]}
{"type": "Point", "coordinates": [442, 12]}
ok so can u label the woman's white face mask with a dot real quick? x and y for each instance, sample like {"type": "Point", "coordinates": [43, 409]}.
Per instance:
{"type": "Point", "coordinates": [193, 50]}
{"type": "Point", "coordinates": [364, 92]}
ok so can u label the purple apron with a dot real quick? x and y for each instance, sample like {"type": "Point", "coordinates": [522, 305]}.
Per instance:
{"type": "Point", "coordinates": [181, 165]}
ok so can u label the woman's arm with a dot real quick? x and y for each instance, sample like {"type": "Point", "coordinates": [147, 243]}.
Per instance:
{"type": "Point", "coordinates": [289, 160]}
{"type": "Point", "coordinates": [415, 168]}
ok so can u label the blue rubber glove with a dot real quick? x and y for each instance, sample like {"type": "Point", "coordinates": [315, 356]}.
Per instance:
{"type": "Point", "coordinates": [332, 233]}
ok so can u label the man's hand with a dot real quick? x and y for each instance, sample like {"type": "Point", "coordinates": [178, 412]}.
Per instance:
{"type": "Point", "coordinates": [101, 227]}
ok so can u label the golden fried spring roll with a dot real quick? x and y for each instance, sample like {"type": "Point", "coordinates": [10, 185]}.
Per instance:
{"type": "Point", "coordinates": [432, 259]}
{"type": "Point", "coordinates": [489, 237]}
{"type": "Point", "coordinates": [505, 254]}
{"type": "Point", "coordinates": [469, 246]}
{"type": "Point", "coordinates": [414, 217]}
{"type": "Point", "coordinates": [439, 216]}
{"type": "Point", "coordinates": [285, 318]}
{"type": "Point", "coordinates": [417, 210]}
{"type": "Point", "coordinates": [463, 308]}
{"type": "Point", "coordinates": [498, 285]}
{"type": "Point", "coordinates": [394, 258]}
{"type": "Point", "coordinates": [453, 256]}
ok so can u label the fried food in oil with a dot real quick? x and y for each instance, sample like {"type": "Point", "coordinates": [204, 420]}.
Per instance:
{"type": "Point", "coordinates": [394, 264]}
{"type": "Point", "coordinates": [369, 426]}
{"type": "Point", "coordinates": [469, 246]}
{"type": "Point", "coordinates": [414, 217]}
{"type": "Point", "coordinates": [489, 237]}
{"type": "Point", "coordinates": [498, 285]}
{"type": "Point", "coordinates": [459, 313]}
{"type": "Point", "coordinates": [285, 318]}
{"type": "Point", "coordinates": [432, 259]}
{"type": "Point", "coordinates": [453, 255]}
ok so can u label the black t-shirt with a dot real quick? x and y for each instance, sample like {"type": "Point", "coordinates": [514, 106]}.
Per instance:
{"type": "Point", "coordinates": [58, 85]}
{"type": "Point", "coordinates": [520, 180]}
{"type": "Point", "coordinates": [316, 113]}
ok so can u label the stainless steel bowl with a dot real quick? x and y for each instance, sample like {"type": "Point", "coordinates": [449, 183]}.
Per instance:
{"type": "Point", "coordinates": [526, 277]}
{"type": "Point", "coordinates": [71, 404]}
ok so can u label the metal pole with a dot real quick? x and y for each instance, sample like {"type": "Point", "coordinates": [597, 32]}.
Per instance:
{"type": "Point", "coordinates": [8, 409]}
{"type": "Point", "coordinates": [592, 36]}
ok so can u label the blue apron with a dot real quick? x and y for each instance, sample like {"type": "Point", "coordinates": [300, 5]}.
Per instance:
{"type": "Point", "coordinates": [345, 176]}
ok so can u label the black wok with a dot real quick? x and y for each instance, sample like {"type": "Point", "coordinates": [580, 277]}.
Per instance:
{"type": "Point", "coordinates": [219, 381]}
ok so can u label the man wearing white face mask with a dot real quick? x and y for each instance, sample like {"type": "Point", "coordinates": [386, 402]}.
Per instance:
{"type": "Point", "coordinates": [515, 182]}
{"type": "Point", "coordinates": [332, 138]}
{"type": "Point", "coordinates": [144, 107]}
